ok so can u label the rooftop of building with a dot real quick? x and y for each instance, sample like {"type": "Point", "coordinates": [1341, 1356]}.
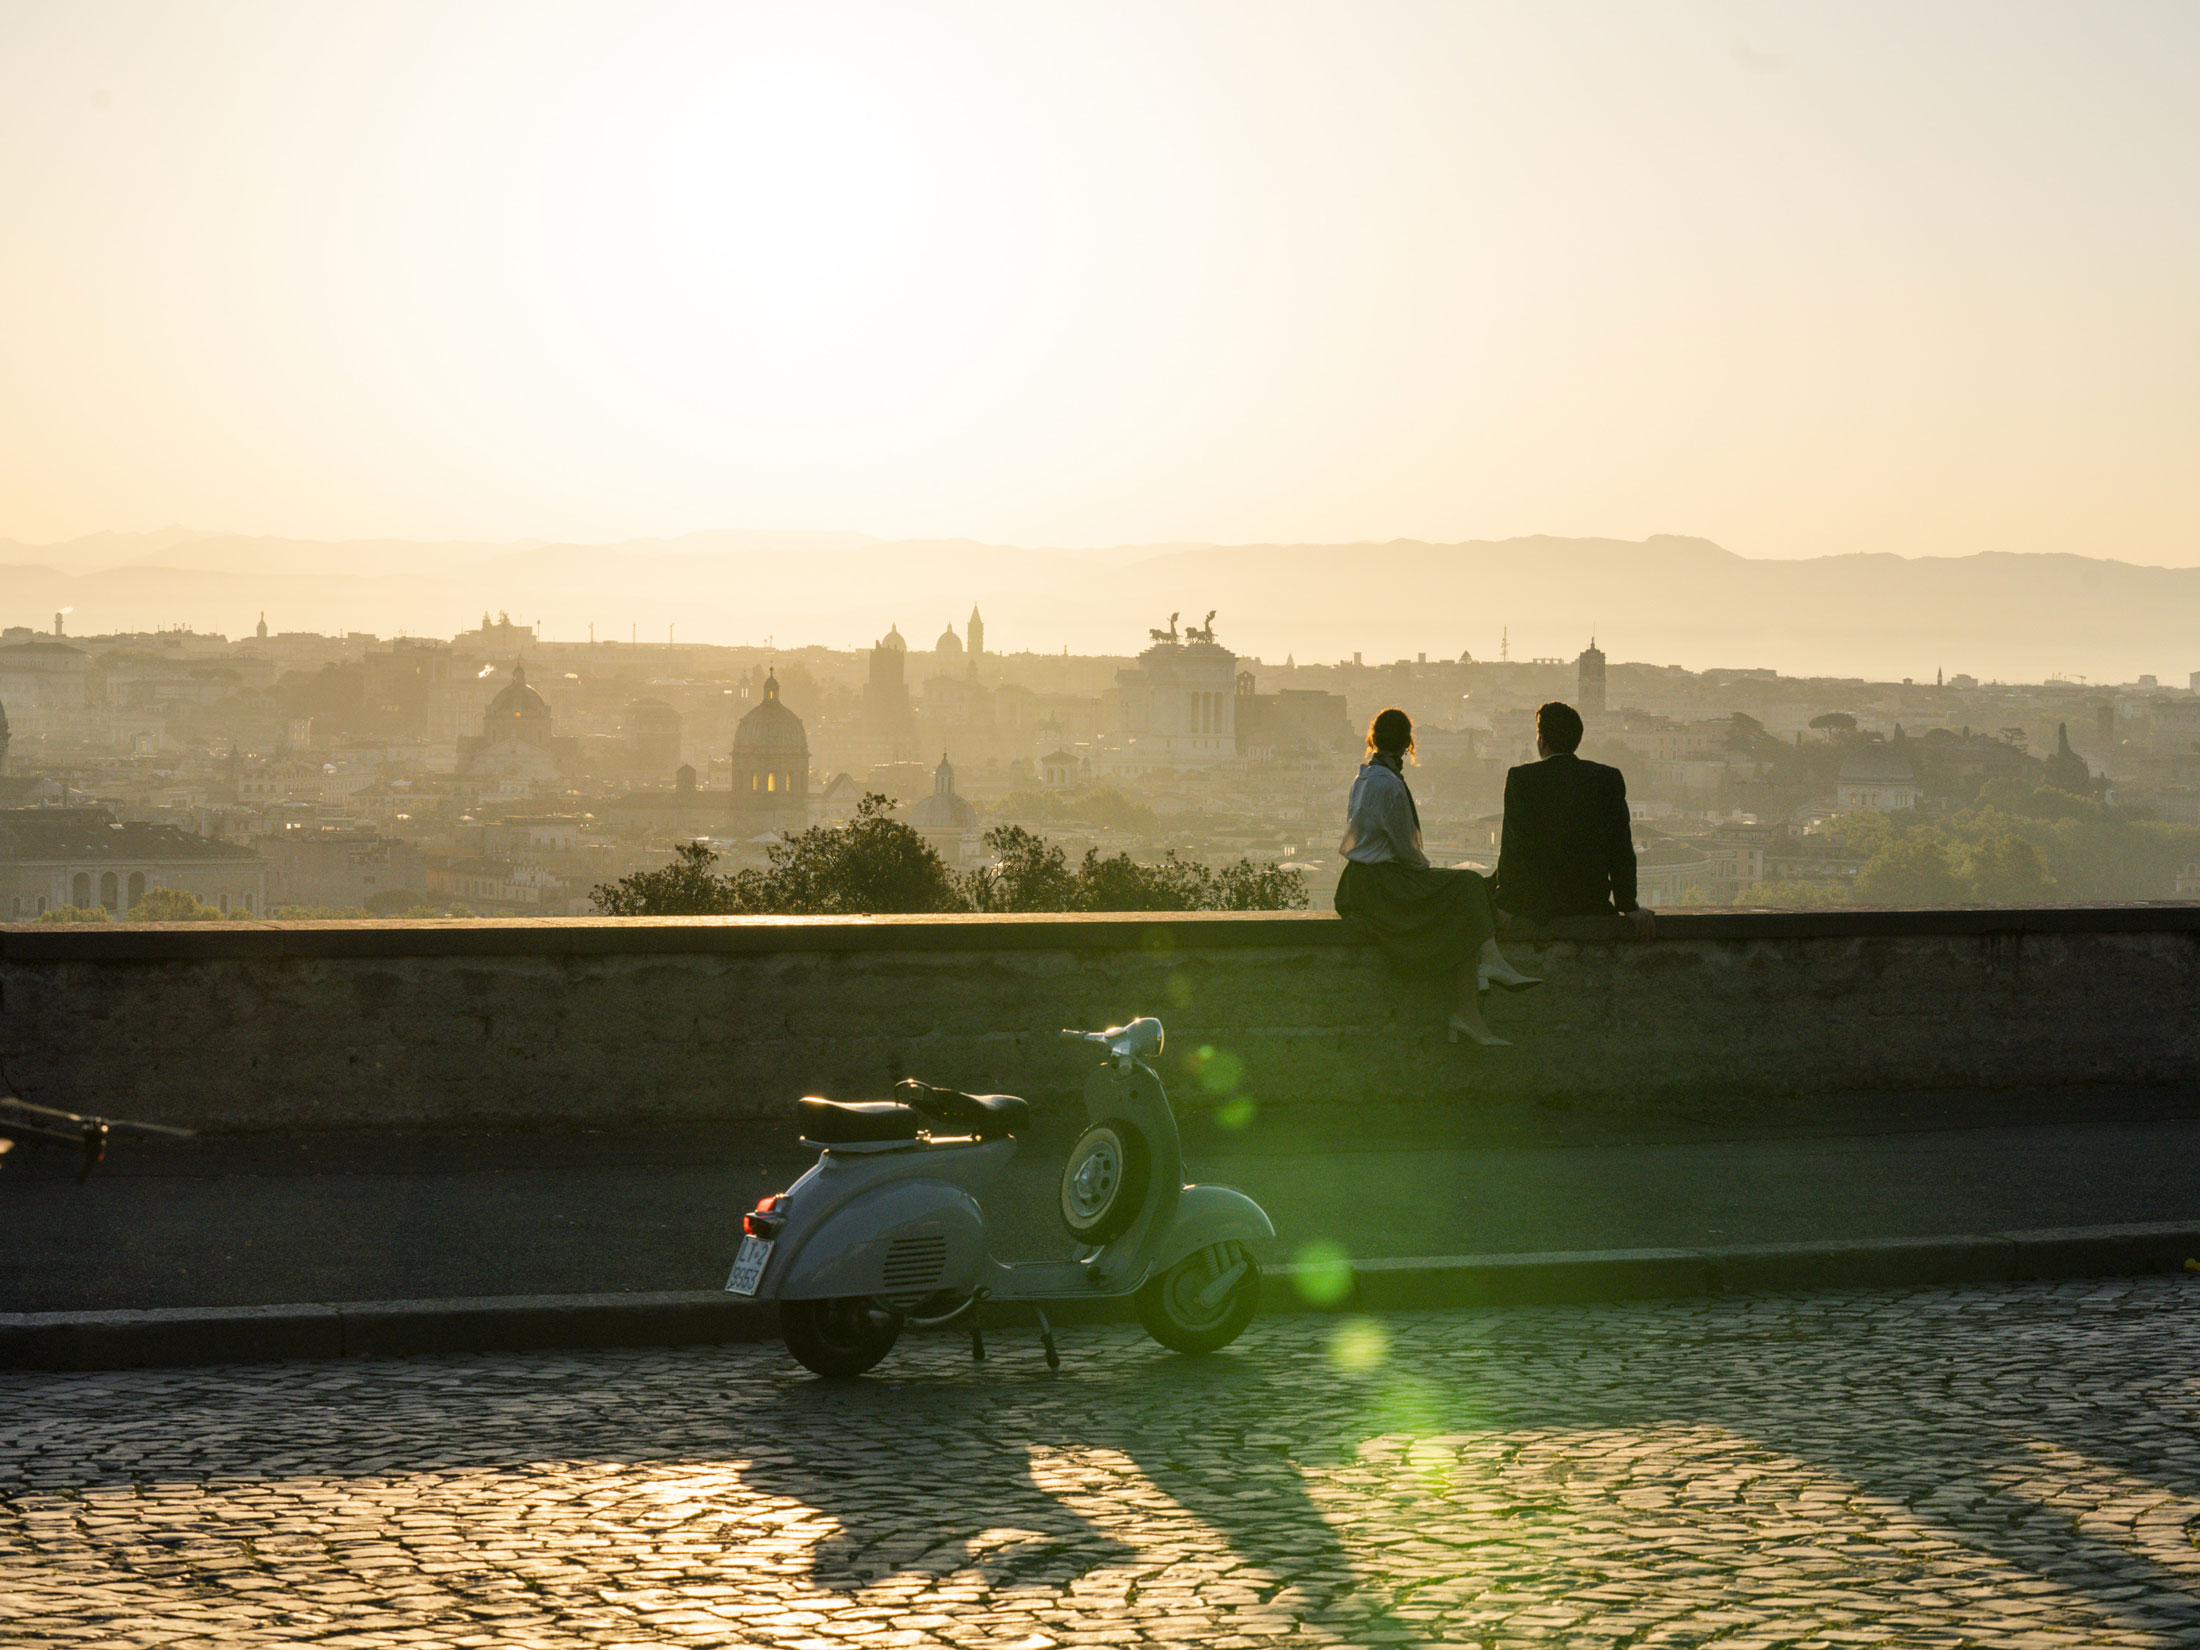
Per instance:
{"type": "Point", "coordinates": [95, 833]}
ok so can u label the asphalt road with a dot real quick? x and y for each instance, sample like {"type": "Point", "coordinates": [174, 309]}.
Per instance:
{"type": "Point", "coordinates": [238, 1225]}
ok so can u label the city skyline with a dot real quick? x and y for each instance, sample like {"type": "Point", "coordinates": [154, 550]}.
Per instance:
{"type": "Point", "coordinates": [1673, 600]}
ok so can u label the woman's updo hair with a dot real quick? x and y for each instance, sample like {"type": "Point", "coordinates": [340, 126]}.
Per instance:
{"type": "Point", "coordinates": [1391, 732]}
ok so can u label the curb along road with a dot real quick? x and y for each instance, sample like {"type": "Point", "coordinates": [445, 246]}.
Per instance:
{"type": "Point", "coordinates": [509, 1323]}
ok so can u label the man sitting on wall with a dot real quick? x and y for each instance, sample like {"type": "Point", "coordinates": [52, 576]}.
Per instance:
{"type": "Point", "coordinates": [1568, 848]}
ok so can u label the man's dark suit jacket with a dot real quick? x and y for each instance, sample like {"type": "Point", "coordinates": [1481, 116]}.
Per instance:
{"type": "Point", "coordinates": [1568, 850]}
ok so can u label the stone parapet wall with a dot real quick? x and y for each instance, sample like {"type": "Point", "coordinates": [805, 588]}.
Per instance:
{"type": "Point", "coordinates": [241, 1026]}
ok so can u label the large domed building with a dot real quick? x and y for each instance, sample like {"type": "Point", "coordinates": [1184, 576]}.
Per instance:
{"type": "Point", "coordinates": [518, 711]}
{"type": "Point", "coordinates": [515, 747]}
{"type": "Point", "coordinates": [771, 768]}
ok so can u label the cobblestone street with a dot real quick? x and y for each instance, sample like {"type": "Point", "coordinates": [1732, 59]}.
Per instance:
{"type": "Point", "coordinates": [2006, 1466]}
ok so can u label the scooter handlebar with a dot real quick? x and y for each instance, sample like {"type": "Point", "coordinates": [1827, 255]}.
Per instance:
{"type": "Point", "coordinates": [1140, 1040]}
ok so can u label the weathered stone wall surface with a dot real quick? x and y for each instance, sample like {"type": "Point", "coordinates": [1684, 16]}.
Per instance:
{"type": "Point", "coordinates": [241, 1026]}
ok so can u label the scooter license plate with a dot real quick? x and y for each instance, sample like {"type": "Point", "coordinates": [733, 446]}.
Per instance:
{"type": "Point", "coordinates": [748, 1266]}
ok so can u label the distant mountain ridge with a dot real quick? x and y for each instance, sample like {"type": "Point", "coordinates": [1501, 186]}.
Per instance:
{"type": "Point", "coordinates": [1666, 599]}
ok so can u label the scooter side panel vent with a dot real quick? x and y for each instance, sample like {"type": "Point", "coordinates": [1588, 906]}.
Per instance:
{"type": "Point", "coordinates": [915, 1262]}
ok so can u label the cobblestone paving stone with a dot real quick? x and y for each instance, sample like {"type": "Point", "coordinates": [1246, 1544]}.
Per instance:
{"type": "Point", "coordinates": [2003, 1466]}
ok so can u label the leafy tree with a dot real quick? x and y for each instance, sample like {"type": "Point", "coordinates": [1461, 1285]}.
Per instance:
{"type": "Point", "coordinates": [73, 913]}
{"type": "Point", "coordinates": [317, 913]}
{"type": "Point", "coordinates": [1030, 874]}
{"type": "Point", "coordinates": [685, 888]}
{"type": "Point", "coordinates": [406, 902]}
{"type": "Point", "coordinates": [2004, 869]}
{"type": "Point", "coordinates": [171, 905]}
{"type": "Point", "coordinates": [1834, 721]}
{"type": "Point", "coordinates": [2026, 801]}
{"type": "Point", "coordinates": [875, 864]}
{"type": "Point", "coordinates": [1746, 734]}
{"type": "Point", "coordinates": [1912, 869]}
{"type": "Point", "coordinates": [1794, 896]}
{"type": "Point", "coordinates": [1121, 883]}
{"type": "Point", "coordinates": [1253, 885]}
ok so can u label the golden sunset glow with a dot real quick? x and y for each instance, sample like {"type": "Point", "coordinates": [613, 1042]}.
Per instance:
{"type": "Point", "coordinates": [1799, 279]}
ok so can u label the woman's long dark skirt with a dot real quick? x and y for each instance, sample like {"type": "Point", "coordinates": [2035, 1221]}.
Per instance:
{"type": "Point", "coordinates": [1428, 919]}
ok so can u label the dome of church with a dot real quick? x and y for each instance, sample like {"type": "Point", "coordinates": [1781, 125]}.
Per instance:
{"type": "Point", "coordinates": [892, 640]}
{"type": "Point", "coordinates": [949, 642]}
{"type": "Point", "coordinates": [771, 726]}
{"type": "Point", "coordinates": [517, 703]}
{"type": "Point", "coordinates": [943, 810]}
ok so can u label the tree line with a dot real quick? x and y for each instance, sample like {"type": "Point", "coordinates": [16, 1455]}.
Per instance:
{"type": "Point", "coordinates": [877, 865]}
{"type": "Point", "coordinates": [2015, 844]}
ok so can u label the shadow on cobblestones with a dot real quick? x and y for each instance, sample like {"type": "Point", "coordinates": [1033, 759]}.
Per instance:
{"type": "Point", "coordinates": [1994, 1466]}
{"type": "Point", "coordinates": [989, 1476]}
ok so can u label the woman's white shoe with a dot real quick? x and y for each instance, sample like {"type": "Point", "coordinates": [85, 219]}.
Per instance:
{"type": "Point", "coordinates": [1488, 1039]}
{"type": "Point", "coordinates": [1508, 976]}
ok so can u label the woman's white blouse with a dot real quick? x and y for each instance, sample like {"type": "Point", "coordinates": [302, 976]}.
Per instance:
{"type": "Point", "coordinates": [1379, 824]}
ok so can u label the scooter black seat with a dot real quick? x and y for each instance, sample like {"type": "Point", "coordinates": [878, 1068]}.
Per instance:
{"type": "Point", "coordinates": [988, 1116]}
{"type": "Point", "coordinates": [856, 1122]}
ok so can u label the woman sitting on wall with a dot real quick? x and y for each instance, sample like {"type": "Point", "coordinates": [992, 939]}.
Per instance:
{"type": "Point", "coordinates": [1426, 919]}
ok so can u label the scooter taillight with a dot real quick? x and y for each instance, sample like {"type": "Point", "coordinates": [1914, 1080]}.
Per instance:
{"type": "Point", "coordinates": [767, 1217]}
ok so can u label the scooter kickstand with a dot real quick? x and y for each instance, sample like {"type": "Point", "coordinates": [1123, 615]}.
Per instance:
{"type": "Point", "coordinates": [1046, 1339]}
{"type": "Point", "coordinates": [977, 1333]}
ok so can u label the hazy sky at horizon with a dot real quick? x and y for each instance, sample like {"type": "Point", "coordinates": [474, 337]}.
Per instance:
{"type": "Point", "coordinates": [1801, 279]}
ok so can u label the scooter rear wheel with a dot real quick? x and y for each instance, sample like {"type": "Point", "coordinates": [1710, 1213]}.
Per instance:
{"type": "Point", "coordinates": [838, 1338]}
{"type": "Point", "coordinates": [1171, 1309]}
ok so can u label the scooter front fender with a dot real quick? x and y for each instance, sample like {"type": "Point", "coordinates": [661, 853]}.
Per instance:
{"type": "Point", "coordinates": [907, 1237]}
{"type": "Point", "coordinates": [1211, 1214]}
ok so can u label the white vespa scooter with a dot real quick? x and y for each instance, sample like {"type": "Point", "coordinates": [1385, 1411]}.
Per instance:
{"type": "Point", "coordinates": [887, 1231]}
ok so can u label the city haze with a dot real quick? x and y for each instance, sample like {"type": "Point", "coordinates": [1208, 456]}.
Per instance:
{"type": "Point", "coordinates": [1668, 600]}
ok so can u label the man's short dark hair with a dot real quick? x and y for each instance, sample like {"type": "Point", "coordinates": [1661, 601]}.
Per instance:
{"type": "Point", "coordinates": [1558, 725]}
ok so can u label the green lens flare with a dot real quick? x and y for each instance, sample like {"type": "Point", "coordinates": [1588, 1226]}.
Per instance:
{"type": "Point", "coordinates": [1358, 1345]}
{"type": "Point", "coordinates": [1235, 1114]}
{"type": "Point", "coordinates": [1220, 1071]}
{"type": "Point", "coordinates": [1322, 1272]}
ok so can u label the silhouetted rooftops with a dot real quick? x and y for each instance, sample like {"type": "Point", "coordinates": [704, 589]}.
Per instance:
{"type": "Point", "coordinates": [94, 833]}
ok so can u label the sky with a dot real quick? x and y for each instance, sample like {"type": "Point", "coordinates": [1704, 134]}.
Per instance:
{"type": "Point", "coordinates": [1920, 278]}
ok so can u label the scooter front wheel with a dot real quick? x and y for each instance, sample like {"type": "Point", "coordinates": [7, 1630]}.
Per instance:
{"type": "Point", "coordinates": [1203, 1302]}
{"type": "Point", "coordinates": [839, 1338]}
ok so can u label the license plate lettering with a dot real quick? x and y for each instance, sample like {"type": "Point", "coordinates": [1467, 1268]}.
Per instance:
{"type": "Point", "coordinates": [748, 1266]}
